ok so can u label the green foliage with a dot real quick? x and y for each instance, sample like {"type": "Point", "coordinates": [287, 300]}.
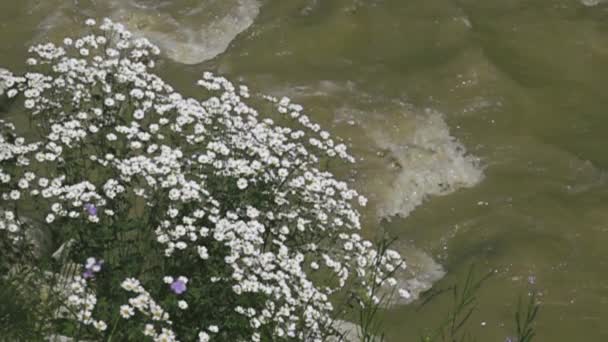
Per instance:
{"type": "Point", "coordinates": [525, 317]}
{"type": "Point", "coordinates": [24, 310]}
{"type": "Point", "coordinates": [453, 327]}
{"type": "Point", "coordinates": [369, 321]}
{"type": "Point", "coordinates": [464, 297]}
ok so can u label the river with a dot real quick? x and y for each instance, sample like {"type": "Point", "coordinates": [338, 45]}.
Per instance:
{"type": "Point", "coordinates": [479, 128]}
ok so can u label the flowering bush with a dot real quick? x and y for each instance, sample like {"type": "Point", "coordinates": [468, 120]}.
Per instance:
{"type": "Point", "coordinates": [182, 219]}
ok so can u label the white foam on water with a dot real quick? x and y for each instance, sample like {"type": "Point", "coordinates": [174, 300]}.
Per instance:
{"type": "Point", "coordinates": [431, 163]}
{"type": "Point", "coordinates": [188, 34]}
{"type": "Point", "coordinates": [410, 157]}
{"type": "Point", "coordinates": [591, 3]}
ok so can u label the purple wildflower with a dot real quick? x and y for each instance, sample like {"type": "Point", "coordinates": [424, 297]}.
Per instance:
{"type": "Point", "coordinates": [91, 209]}
{"type": "Point", "coordinates": [97, 266]}
{"type": "Point", "coordinates": [91, 267]}
{"type": "Point", "coordinates": [178, 286]}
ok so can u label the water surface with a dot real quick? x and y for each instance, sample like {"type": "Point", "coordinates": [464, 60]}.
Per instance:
{"type": "Point", "coordinates": [480, 125]}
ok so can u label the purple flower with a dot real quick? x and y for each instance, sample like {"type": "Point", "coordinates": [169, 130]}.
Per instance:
{"type": "Point", "coordinates": [178, 286]}
{"type": "Point", "coordinates": [91, 209]}
{"type": "Point", "coordinates": [91, 267]}
{"type": "Point", "coordinates": [87, 274]}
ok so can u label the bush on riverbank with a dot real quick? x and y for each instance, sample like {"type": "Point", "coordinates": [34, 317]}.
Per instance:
{"type": "Point", "coordinates": [171, 217]}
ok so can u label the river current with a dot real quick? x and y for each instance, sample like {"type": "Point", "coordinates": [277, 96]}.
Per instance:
{"type": "Point", "coordinates": [479, 128]}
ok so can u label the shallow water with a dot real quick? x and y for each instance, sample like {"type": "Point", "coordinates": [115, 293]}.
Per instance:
{"type": "Point", "coordinates": [480, 126]}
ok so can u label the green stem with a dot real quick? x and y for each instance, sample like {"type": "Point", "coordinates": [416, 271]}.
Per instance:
{"type": "Point", "coordinates": [114, 328]}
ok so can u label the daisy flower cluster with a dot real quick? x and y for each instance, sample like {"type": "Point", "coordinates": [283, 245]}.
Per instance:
{"type": "Point", "coordinates": [235, 201]}
{"type": "Point", "coordinates": [13, 154]}
{"type": "Point", "coordinates": [81, 303]}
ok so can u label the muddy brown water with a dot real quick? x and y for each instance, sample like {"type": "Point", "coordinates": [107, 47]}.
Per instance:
{"type": "Point", "coordinates": [481, 127]}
